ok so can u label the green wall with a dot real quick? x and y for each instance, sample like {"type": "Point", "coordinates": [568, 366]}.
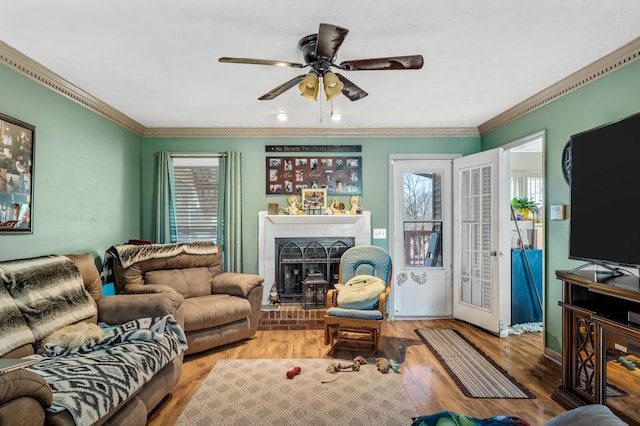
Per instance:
{"type": "Point", "coordinates": [375, 174]}
{"type": "Point", "coordinates": [94, 180]}
{"type": "Point", "coordinates": [609, 98]}
{"type": "Point", "coordinates": [86, 194]}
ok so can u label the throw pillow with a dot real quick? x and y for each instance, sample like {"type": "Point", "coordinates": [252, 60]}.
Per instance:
{"type": "Point", "coordinates": [361, 292]}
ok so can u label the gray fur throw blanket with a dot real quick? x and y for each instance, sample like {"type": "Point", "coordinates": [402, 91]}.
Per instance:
{"type": "Point", "coordinates": [129, 254]}
{"type": "Point", "coordinates": [13, 328]}
{"type": "Point", "coordinates": [93, 379]}
{"type": "Point", "coordinates": [48, 291]}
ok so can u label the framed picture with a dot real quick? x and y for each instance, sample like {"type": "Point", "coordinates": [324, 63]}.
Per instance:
{"type": "Point", "coordinates": [292, 175]}
{"type": "Point", "coordinates": [314, 199]}
{"type": "Point", "coordinates": [17, 143]}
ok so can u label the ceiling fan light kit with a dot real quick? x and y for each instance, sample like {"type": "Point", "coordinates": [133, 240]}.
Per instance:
{"type": "Point", "coordinates": [319, 53]}
{"type": "Point", "coordinates": [332, 85]}
{"type": "Point", "coordinates": [309, 86]}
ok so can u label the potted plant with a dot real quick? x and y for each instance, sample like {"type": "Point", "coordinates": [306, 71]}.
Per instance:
{"type": "Point", "coordinates": [524, 207]}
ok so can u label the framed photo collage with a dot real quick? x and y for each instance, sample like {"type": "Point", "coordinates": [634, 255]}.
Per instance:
{"type": "Point", "coordinates": [293, 175]}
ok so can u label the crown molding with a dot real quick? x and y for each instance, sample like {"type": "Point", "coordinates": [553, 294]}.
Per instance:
{"type": "Point", "coordinates": [603, 66]}
{"type": "Point", "coordinates": [27, 66]}
{"type": "Point", "coordinates": [611, 62]}
{"type": "Point", "coordinates": [309, 132]}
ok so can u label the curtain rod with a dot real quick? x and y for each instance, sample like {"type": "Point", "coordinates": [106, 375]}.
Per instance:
{"type": "Point", "coordinates": [196, 154]}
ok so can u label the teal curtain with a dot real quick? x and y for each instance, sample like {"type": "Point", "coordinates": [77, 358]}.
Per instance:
{"type": "Point", "coordinates": [163, 199]}
{"type": "Point", "coordinates": [230, 210]}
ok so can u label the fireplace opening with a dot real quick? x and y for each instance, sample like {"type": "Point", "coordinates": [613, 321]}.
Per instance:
{"type": "Point", "coordinates": [307, 267]}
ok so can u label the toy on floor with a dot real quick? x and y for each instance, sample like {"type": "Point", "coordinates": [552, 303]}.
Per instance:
{"type": "Point", "coordinates": [629, 364]}
{"type": "Point", "coordinates": [337, 367]}
{"type": "Point", "coordinates": [383, 365]}
{"type": "Point", "coordinates": [293, 373]}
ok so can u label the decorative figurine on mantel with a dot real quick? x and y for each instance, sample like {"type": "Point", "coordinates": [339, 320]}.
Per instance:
{"type": "Point", "coordinates": [293, 204]}
{"type": "Point", "coordinates": [355, 205]}
{"type": "Point", "coordinates": [336, 207]}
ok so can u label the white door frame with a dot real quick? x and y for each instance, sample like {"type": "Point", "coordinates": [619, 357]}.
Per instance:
{"type": "Point", "coordinates": [396, 236]}
{"type": "Point", "coordinates": [540, 135]}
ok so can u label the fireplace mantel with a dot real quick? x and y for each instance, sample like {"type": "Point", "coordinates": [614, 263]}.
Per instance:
{"type": "Point", "coordinates": [271, 227]}
{"type": "Point", "coordinates": [320, 219]}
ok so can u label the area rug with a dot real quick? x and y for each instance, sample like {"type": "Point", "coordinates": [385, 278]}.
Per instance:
{"type": "Point", "coordinates": [475, 373]}
{"type": "Point", "coordinates": [257, 391]}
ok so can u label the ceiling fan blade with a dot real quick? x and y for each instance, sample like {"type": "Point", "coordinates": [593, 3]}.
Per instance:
{"type": "Point", "coordinates": [412, 62]}
{"type": "Point", "coordinates": [330, 38]}
{"type": "Point", "coordinates": [350, 90]}
{"type": "Point", "coordinates": [260, 62]}
{"type": "Point", "coordinates": [277, 91]}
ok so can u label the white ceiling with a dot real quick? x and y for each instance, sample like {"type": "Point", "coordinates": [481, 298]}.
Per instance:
{"type": "Point", "coordinates": [156, 61]}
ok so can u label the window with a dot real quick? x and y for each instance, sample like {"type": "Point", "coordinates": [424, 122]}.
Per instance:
{"type": "Point", "coordinates": [422, 219]}
{"type": "Point", "coordinates": [194, 198]}
{"type": "Point", "coordinates": [530, 187]}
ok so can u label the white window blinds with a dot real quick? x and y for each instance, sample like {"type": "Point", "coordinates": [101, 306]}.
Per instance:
{"type": "Point", "coordinates": [195, 199]}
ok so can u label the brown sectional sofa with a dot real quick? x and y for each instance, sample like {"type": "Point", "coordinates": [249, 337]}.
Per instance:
{"type": "Point", "coordinates": [219, 307]}
{"type": "Point", "coordinates": [24, 395]}
{"type": "Point", "coordinates": [185, 281]}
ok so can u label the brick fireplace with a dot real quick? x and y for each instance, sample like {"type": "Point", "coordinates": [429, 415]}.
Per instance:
{"type": "Point", "coordinates": [356, 228]}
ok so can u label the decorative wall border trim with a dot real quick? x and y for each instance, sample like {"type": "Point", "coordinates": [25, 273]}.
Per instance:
{"type": "Point", "coordinates": [309, 132]}
{"type": "Point", "coordinates": [599, 68]}
{"type": "Point", "coordinates": [27, 66]}
{"type": "Point", "coordinates": [611, 62]}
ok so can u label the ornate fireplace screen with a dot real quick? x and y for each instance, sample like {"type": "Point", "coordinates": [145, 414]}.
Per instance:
{"type": "Point", "coordinates": [297, 258]}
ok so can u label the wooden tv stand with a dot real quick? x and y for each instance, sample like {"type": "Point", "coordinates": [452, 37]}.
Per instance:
{"type": "Point", "coordinates": [596, 332]}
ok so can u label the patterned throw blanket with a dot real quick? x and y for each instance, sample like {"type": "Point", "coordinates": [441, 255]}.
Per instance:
{"type": "Point", "coordinates": [48, 291]}
{"type": "Point", "coordinates": [128, 254]}
{"type": "Point", "coordinates": [91, 380]}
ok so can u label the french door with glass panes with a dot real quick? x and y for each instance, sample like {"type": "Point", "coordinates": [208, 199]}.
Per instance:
{"type": "Point", "coordinates": [480, 227]}
{"type": "Point", "coordinates": [421, 237]}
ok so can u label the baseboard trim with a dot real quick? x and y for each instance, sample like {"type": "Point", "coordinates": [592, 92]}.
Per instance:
{"type": "Point", "coordinates": [553, 355]}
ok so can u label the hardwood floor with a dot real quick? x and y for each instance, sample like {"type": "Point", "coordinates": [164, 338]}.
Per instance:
{"type": "Point", "coordinates": [428, 384]}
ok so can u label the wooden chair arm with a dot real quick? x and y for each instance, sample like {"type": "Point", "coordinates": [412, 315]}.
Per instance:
{"type": "Point", "coordinates": [382, 304]}
{"type": "Point", "coordinates": [332, 298]}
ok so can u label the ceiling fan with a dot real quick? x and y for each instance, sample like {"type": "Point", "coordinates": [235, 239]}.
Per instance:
{"type": "Point", "coordinates": [319, 53]}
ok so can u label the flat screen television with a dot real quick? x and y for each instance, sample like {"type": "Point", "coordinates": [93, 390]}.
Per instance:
{"type": "Point", "coordinates": [605, 177]}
